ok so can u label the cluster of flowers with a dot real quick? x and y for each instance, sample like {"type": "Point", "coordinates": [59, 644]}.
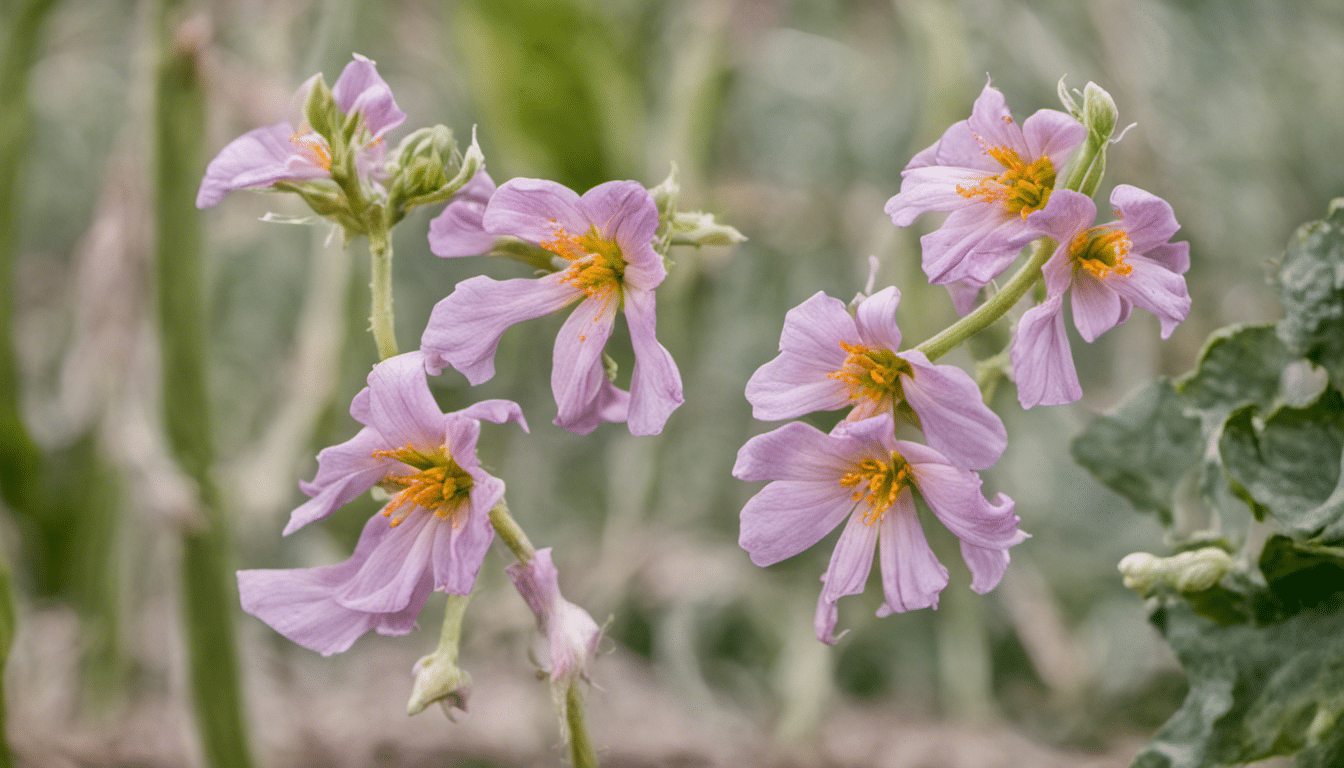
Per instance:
{"type": "Point", "coordinates": [600, 250]}
{"type": "Point", "coordinates": [998, 183]}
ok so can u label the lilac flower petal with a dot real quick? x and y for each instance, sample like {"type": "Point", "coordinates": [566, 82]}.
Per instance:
{"type": "Point", "coordinates": [1148, 220]}
{"type": "Point", "coordinates": [964, 294]}
{"type": "Point", "coordinates": [622, 211]}
{"type": "Point", "coordinates": [955, 498]}
{"type": "Point", "coordinates": [1096, 306]}
{"type": "Point", "coordinates": [258, 158]}
{"type": "Point", "coordinates": [954, 417]}
{"type": "Point", "coordinates": [360, 410]}
{"type": "Point", "coordinates": [824, 622]}
{"type": "Point", "coordinates": [926, 157]}
{"type": "Point", "coordinates": [1054, 134]}
{"type": "Point", "coordinates": [465, 327]}
{"type": "Point", "coordinates": [795, 451]}
{"type": "Point", "coordinates": [1067, 214]}
{"type": "Point", "coordinates": [459, 230]}
{"type": "Point", "coordinates": [655, 383]}
{"type": "Point", "coordinates": [403, 621]}
{"type": "Point", "coordinates": [1155, 288]}
{"type": "Point", "coordinates": [385, 581]}
{"type": "Point", "coordinates": [788, 516]}
{"type": "Point", "coordinates": [872, 437]}
{"type": "Point", "coordinates": [1173, 256]}
{"type": "Point", "coordinates": [1042, 360]}
{"type": "Point", "coordinates": [1058, 271]}
{"type": "Point", "coordinates": [360, 89]}
{"type": "Point", "coordinates": [533, 208]}
{"type": "Point", "coordinates": [460, 435]}
{"type": "Point", "coordinates": [975, 243]}
{"type": "Point", "coordinates": [851, 562]}
{"type": "Point", "coordinates": [612, 405]}
{"type": "Point", "coordinates": [992, 124]}
{"type": "Point", "coordinates": [987, 566]}
{"type": "Point", "coordinates": [876, 319]}
{"type": "Point", "coordinates": [496, 412]}
{"type": "Point", "coordinates": [344, 471]}
{"type": "Point", "coordinates": [578, 355]}
{"type": "Point", "coordinates": [571, 634]}
{"type": "Point", "coordinates": [931, 189]}
{"type": "Point", "coordinates": [460, 544]}
{"type": "Point", "coordinates": [912, 577]}
{"type": "Point", "coordinates": [796, 382]}
{"type": "Point", "coordinates": [401, 407]}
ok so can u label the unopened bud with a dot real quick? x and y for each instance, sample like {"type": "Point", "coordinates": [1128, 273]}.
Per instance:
{"type": "Point", "coordinates": [324, 116]}
{"type": "Point", "coordinates": [438, 678]}
{"type": "Point", "coordinates": [1099, 112]}
{"type": "Point", "coordinates": [1141, 571]}
{"type": "Point", "coordinates": [698, 228]}
{"type": "Point", "coordinates": [665, 194]}
{"type": "Point", "coordinates": [1199, 569]}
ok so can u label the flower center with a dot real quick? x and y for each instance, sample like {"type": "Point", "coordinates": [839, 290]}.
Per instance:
{"type": "Point", "coordinates": [1101, 250]}
{"type": "Point", "coordinates": [879, 483]}
{"type": "Point", "coordinates": [872, 372]}
{"type": "Point", "coordinates": [1023, 188]}
{"type": "Point", "coordinates": [597, 265]}
{"type": "Point", "coordinates": [439, 485]}
{"type": "Point", "coordinates": [312, 146]}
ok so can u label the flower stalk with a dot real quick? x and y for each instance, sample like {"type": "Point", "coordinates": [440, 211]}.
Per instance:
{"type": "Point", "coordinates": [380, 285]}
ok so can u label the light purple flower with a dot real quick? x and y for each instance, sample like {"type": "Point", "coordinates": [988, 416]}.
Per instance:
{"type": "Point", "coordinates": [829, 359]}
{"type": "Point", "coordinates": [433, 534]}
{"type": "Point", "coordinates": [458, 230]}
{"type": "Point", "coordinates": [606, 237]}
{"type": "Point", "coordinates": [265, 156]}
{"type": "Point", "coordinates": [1111, 269]}
{"type": "Point", "coordinates": [862, 472]}
{"type": "Point", "coordinates": [570, 634]}
{"type": "Point", "coordinates": [995, 179]}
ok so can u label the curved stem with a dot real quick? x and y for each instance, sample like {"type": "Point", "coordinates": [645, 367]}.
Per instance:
{"type": "Point", "coordinates": [512, 533]}
{"type": "Point", "coordinates": [998, 305]}
{"type": "Point", "coordinates": [380, 321]}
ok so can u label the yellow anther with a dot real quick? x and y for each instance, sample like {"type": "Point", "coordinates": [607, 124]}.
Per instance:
{"type": "Point", "coordinates": [1023, 188]}
{"type": "Point", "coordinates": [1101, 251]}
{"type": "Point", "coordinates": [871, 372]}
{"type": "Point", "coordinates": [879, 483]}
{"type": "Point", "coordinates": [597, 263]}
{"type": "Point", "coordinates": [439, 485]}
{"type": "Point", "coordinates": [313, 147]}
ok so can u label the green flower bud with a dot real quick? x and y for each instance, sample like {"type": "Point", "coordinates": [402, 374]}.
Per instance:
{"type": "Point", "coordinates": [1099, 112]}
{"type": "Point", "coordinates": [1141, 571]}
{"type": "Point", "coordinates": [438, 678]}
{"type": "Point", "coordinates": [1197, 570]}
{"type": "Point", "coordinates": [699, 228]}
{"type": "Point", "coordinates": [665, 196]}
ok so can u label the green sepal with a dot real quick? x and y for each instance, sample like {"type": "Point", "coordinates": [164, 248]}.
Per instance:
{"type": "Point", "coordinates": [698, 228]}
{"type": "Point", "coordinates": [324, 116]}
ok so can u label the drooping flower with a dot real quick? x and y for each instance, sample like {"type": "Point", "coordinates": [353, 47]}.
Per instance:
{"type": "Point", "coordinates": [570, 634]}
{"type": "Point", "coordinates": [862, 472]}
{"type": "Point", "coordinates": [1111, 269]}
{"type": "Point", "coordinates": [459, 230]}
{"type": "Point", "coordinates": [282, 152]}
{"type": "Point", "coordinates": [604, 239]}
{"type": "Point", "coordinates": [994, 179]}
{"type": "Point", "coordinates": [829, 359]}
{"type": "Point", "coordinates": [432, 534]}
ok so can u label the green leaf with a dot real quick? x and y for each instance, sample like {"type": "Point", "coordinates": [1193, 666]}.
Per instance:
{"type": "Point", "coordinates": [1255, 691]}
{"type": "Point", "coordinates": [1301, 574]}
{"type": "Point", "coordinates": [1144, 449]}
{"type": "Point", "coordinates": [1290, 465]}
{"type": "Point", "coordinates": [1311, 286]}
{"type": "Point", "coordinates": [1240, 365]}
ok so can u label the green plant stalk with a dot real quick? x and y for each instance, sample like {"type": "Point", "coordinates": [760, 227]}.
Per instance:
{"type": "Point", "coordinates": [998, 305]}
{"type": "Point", "coordinates": [8, 624]}
{"type": "Point", "coordinates": [209, 595]}
{"type": "Point", "coordinates": [512, 533]}
{"type": "Point", "coordinates": [381, 320]}
{"type": "Point", "coordinates": [581, 752]}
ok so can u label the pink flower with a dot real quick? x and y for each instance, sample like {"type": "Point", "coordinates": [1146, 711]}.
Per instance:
{"type": "Point", "coordinates": [606, 239]}
{"type": "Point", "coordinates": [995, 179]}
{"type": "Point", "coordinates": [829, 359]}
{"type": "Point", "coordinates": [862, 472]}
{"type": "Point", "coordinates": [1111, 269]}
{"type": "Point", "coordinates": [570, 634]}
{"type": "Point", "coordinates": [433, 534]}
{"type": "Point", "coordinates": [459, 230]}
{"type": "Point", "coordinates": [265, 156]}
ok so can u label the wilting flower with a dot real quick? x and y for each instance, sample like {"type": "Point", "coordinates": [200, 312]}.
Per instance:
{"type": "Point", "coordinates": [829, 359]}
{"type": "Point", "coordinates": [1111, 269]}
{"type": "Point", "coordinates": [570, 634]}
{"type": "Point", "coordinates": [861, 471]}
{"type": "Point", "coordinates": [995, 179]}
{"type": "Point", "coordinates": [432, 534]}
{"type": "Point", "coordinates": [604, 239]}
{"type": "Point", "coordinates": [282, 152]}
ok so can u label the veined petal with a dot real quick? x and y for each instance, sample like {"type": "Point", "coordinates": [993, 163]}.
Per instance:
{"type": "Point", "coordinates": [851, 562]}
{"type": "Point", "coordinates": [791, 385]}
{"type": "Point", "coordinates": [258, 158]}
{"type": "Point", "coordinates": [955, 498]}
{"type": "Point", "coordinates": [1067, 214]}
{"type": "Point", "coordinates": [403, 621]}
{"type": "Point", "coordinates": [460, 434]}
{"type": "Point", "coordinates": [655, 383]}
{"type": "Point", "coordinates": [623, 211]}
{"type": "Point", "coordinates": [459, 230]}
{"type": "Point", "coordinates": [465, 328]}
{"type": "Point", "coordinates": [612, 405]}
{"type": "Point", "coordinates": [496, 412]}
{"type": "Point", "coordinates": [401, 407]}
{"type": "Point", "coordinates": [578, 355]}
{"type": "Point", "coordinates": [964, 293]}
{"type": "Point", "coordinates": [344, 471]}
{"type": "Point", "coordinates": [385, 581]}
{"type": "Point", "coordinates": [1096, 305]}
{"type": "Point", "coordinates": [912, 577]}
{"type": "Point", "coordinates": [1042, 360]}
{"type": "Point", "coordinates": [1173, 256]}
{"type": "Point", "coordinates": [533, 208]}
{"type": "Point", "coordinates": [875, 319]}
{"type": "Point", "coordinates": [954, 417]}
{"type": "Point", "coordinates": [788, 516]}
{"type": "Point", "coordinates": [1155, 288]}
{"type": "Point", "coordinates": [975, 243]}
{"type": "Point", "coordinates": [987, 566]}
{"type": "Point", "coordinates": [815, 328]}
{"type": "Point", "coordinates": [1053, 134]}
{"type": "Point", "coordinates": [460, 543]}
{"type": "Point", "coordinates": [1147, 219]}
{"type": "Point", "coordinates": [992, 124]}
{"type": "Point", "coordinates": [795, 451]}
{"type": "Point", "coordinates": [931, 189]}
{"type": "Point", "coordinates": [361, 89]}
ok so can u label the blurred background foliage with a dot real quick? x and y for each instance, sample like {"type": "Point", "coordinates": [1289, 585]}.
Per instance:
{"type": "Point", "coordinates": [790, 121]}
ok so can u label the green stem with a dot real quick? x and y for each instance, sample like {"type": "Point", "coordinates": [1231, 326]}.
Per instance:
{"type": "Point", "coordinates": [511, 533]}
{"type": "Point", "coordinates": [209, 595]}
{"type": "Point", "coordinates": [8, 622]}
{"type": "Point", "coordinates": [998, 305]}
{"type": "Point", "coordinates": [380, 256]}
{"type": "Point", "coordinates": [581, 752]}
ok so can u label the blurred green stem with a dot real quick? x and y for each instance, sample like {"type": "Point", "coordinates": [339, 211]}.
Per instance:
{"type": "Point", "coordinates": [512, 534]}
{"type": "Point", "coordinates": [209, 596]}
{"type": "Point", "coordinates": [581, 752]}
{"type": "Point", "coordinates": [380, 260]}
{"type": "Point", "coordinates": [8, 624]}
